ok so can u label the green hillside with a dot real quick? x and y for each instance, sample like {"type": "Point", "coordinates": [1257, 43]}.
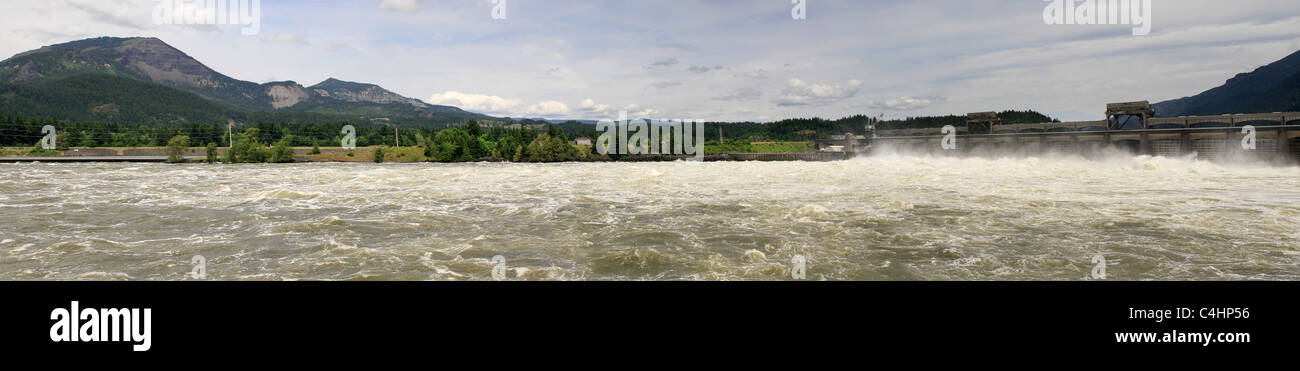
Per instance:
{"type": "Point", "coordinates": [103, 97]}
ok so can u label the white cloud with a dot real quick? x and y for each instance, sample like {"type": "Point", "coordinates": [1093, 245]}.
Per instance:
{"type": "Point", "coordinates": [800, 92]}
{"type": "Point", "coordinates": [666, 84]}
{"type": "Point", "coordinates": [51, 32]}
{"type": "Point", "coordinates": [592, 110]}
{"type": "Point", "coordinates": [475, 102]}
{"type": "Point", "coordinates": [334, 47]}
{"type": "Point", "coordinates": [126, 13]}
{"type": "Point", "coordinates": [548, 108]}
{"type": "Point", "coordinates": [905, 103]}
{"type": "Point", "coordinates": [757, 74]}
{"type": "Point", "coordinates": [742, 94]}
{"type": "Point", "coordinates": [399, 5]}
{"type": "Point", "coordinates": [590, 106]}
{"type": "Point", "coordinates": [285, 38]}
{"type": "Point", "coordinates": [634, 111]}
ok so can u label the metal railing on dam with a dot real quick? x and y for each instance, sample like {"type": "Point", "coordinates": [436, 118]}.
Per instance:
{"type": "Point", "coordinates": [1268, 136]}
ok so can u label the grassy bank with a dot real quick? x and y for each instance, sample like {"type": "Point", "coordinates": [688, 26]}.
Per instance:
{"type": "Point", "coordinates": [759, 147]}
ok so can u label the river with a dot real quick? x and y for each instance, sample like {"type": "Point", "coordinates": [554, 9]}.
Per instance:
{"type": "Point", "coordinates": [893, 217]}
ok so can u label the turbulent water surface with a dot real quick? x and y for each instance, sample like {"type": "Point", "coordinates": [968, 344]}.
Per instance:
{"type": "Point", "coordinates": [880, 218]}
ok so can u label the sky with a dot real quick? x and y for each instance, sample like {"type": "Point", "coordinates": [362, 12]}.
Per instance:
{"type": "Point", "coordinates": [717, 60]}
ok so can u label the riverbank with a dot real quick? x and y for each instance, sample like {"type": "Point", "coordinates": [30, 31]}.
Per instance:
{"type": "Point", "coordinates": [367, 154]}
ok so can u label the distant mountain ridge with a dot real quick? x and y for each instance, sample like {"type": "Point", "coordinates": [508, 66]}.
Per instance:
{"type": "Point", "coordinates": [1271, 88]}
{"type": "Point", "coordinates": [154, 61]}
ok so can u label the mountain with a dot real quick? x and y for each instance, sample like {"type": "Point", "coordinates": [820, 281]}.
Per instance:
{"type": "Point", "coordinates": [1271, 88]}
{"type": "Point", "coordinates": [98, 97]}
{"type": "Point", "coordinates": [357, 92]}
{"type": "Point", "coordinates": [145, 59]}
{"type": "Point", "coordinates": [153, 61]}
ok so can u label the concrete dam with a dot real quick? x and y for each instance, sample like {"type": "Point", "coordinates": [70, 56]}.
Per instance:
{"type": "Point", "coordinates": [1130, 127]}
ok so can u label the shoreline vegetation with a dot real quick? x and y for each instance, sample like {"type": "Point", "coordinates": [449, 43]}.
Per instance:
{"type": "Point", "coordinates": [521, 141]}
{"type": "Point", "coordinates": [470, 143]}
{"type": "Point", "coordinates": [408, 154]}
{"type": "Point", "coordinates": [451, 148]}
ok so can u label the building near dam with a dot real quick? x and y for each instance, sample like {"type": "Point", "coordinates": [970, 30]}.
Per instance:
{"type": "Point", "coordinates": [1131, 126]}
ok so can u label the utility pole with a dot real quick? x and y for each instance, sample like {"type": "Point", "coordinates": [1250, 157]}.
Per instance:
{"type": "Point", "coordinates": [398, 137]}
{"type": "Point", "coordinates": [719, 134]}
{"type": "Point", "coordinates": [230, 134]}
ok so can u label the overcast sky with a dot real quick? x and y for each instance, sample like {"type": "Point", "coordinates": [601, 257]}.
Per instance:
{"type": "Point", "coordinates": [714, 60]}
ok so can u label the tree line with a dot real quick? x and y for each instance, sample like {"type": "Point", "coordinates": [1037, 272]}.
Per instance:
{"type": "Point", "coordinates": [522, 140]}
{"type": "Point", "coordinates": [470, 143]}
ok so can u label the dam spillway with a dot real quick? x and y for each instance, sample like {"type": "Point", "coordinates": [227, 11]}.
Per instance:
{"type": "Point", "coordinates": [1269, 137]}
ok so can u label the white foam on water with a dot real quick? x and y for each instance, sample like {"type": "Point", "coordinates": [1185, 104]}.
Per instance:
{"type": "Point", "coordinates": [893, 216]}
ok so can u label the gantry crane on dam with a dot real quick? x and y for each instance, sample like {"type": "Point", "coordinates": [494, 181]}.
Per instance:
{"type": "Point", "coordinates": [1131, 126]}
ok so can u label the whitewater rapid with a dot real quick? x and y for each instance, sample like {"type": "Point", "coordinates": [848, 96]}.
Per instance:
{"type": "Point", "coordinates": [894, 217]}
